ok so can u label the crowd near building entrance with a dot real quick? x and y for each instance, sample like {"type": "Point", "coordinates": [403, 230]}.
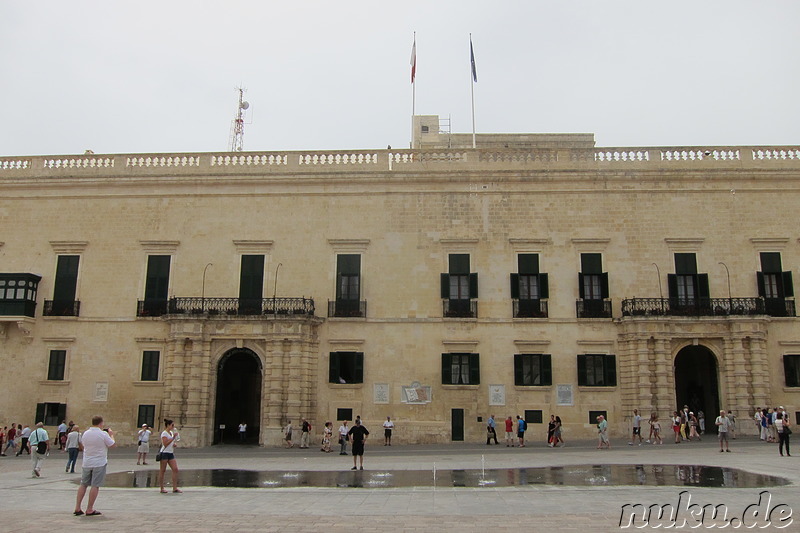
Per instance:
{"type": "Point", "coordinates": [697, 383]}
{"type": "Point", "coordinates": [238, 396]}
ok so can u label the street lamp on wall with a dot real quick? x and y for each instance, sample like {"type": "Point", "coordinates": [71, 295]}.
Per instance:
{"type": "Point", "coordinates": [730, 300]}
{"type": "Point", "coordinates": [203, 293]}
{"type": "Point", "coordinates": [660, 291]}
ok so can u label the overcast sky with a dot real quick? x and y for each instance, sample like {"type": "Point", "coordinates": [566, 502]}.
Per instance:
{"type": "Point", "coordinates": [160, 76]}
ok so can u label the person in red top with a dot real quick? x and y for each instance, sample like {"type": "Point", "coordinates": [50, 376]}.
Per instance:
{"type": "Point", "coordinates": [10, 436]}
{"type": "Point", "coordinates": [509, 432]}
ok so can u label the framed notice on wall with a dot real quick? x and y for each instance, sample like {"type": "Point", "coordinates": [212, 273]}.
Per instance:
{"type": "Point", "coordinates": [101, 391]}
{"type": "Point", "coordinates": [564, 395]}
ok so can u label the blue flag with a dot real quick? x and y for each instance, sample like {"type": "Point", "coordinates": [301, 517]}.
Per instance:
{"type": "Point", "coordinates": [472, 61]}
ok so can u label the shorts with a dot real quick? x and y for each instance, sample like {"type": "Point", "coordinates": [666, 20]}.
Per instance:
{"type": "Point", "coordinates": [723, 436]}
{"type": "Point", "coordinates": [288, 436]}
{"type": "Point", "coordinates": [604, 437]}
{"type": "Point", "coordinates": [166, 456]}
{"type": "Point", "coordinates": [93, 476]}
{"type": "Point", "coordinates": [358, 448]}
{"type": "Point", "coordinates": [144, 447]}
{"type": "Point", "coordinates": [637, 431]}
{"type": "Point", "coordinates": [387, 433]}
{"type": "Point", "coordinates": [520, 434]}
{"type": "Point", "coordinates": [509, 435]}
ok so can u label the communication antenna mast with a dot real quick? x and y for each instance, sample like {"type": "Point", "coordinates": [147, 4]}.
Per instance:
{"type": "Point", "coordinates": [236, 142]}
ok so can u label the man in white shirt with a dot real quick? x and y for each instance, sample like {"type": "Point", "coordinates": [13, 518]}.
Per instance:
{"type": "Point", "coordinates": [343, 437]}
{"type": "Point", "coordinates": [95, 444]}
{"type": "Point", "coordinates": [144, 445]}
{"type": "Point", "coordinates": [62, 430]}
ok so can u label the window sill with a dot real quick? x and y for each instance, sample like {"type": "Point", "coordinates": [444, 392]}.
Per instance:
{"type": "Point", "coordinates": [346, 385]}
{"type": "Point", "coordinates": [791, 389]}
{"type": "Point", "coordinates": [148, 383]}
{"type": "Point", "coordinates": [596, 388]}
{"type": "Point", "coordinates": [56, 382]}
{"type": "Point", "coordinates": [533, 387]}
{"type": "Point", "coordinates": [451, 386]}
{"type": "Point", "coordinates": [59, 317]}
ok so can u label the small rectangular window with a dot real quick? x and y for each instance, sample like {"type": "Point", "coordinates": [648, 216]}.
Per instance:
{"type": "Point", "coordinates": [57, 365]}
{"type": "Point", "coordinates": [461, 369]}
{"type": "Point", "coordinates": [597, 370]}
{"type": "Point", "coordinates": [150, 364]}
{"type": "Point", "coordinates": [533, 416]}
{"type": "Point", "coordinates": [594, 414]}
{"type": "Point", "coordinates": [791, 369]}
{"type": "Point", "coordinates": [346, 367]}
{"type": "Point", "coordinates": [343, 413]}
{"type": "Point", "coordinates": [147, 415]}
{"type": "Point", "coordinates": [532, 369]}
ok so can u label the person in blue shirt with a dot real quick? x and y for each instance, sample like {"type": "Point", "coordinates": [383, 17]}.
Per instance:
{"type": "Point", "coordinates": [521, 427]}
{"type": "Point", "coordinates": [491, 431]}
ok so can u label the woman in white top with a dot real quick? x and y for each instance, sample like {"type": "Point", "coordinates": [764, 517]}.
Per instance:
{"type": "Point", "coordinates": [782, 425]}
{"type": "Point", "coordinates": [73, 447]}
{"type": "Point", "coordinates": [169, 437]}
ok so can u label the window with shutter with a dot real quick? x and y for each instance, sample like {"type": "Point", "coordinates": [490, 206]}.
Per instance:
{"type": "Point", "coordinates": [791, 368]}
{"type": "Point", "coordinates": [150, 365]}
{"type": "Point", "coordinates": [346, 367]}
{"type": "Point", "coordinates": [57, 365]}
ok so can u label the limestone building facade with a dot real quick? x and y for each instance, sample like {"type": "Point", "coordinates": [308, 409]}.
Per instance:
{"type": "Point", "coordinates": [438, 285]}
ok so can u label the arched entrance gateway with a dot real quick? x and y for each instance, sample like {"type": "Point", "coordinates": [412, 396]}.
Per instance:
{"type": "Point", "coordinates": [238, 396]}
{"type": "Point", "coordinates": [697, 382]}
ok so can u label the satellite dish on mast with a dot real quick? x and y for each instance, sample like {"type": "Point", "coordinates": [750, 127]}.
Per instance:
{"type": "Point", "coordinates": [245, 105]}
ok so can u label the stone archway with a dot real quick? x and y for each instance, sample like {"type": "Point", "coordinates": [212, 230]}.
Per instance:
{"type": "Point", "coordinates": [238, 398]}
{"type": "Point", "coordinates": [697, 382]}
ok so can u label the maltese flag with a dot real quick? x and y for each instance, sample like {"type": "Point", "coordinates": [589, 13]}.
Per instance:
{"type": "Point", "coordinates": [414, 60]}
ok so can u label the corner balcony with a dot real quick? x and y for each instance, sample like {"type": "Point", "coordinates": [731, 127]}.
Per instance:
{"type": "Point", "coordinates": [18, 294]}
{"type": "Point", "coordinates": [219, 307]}
{"type": "Point", "coordinates": [694, 307]}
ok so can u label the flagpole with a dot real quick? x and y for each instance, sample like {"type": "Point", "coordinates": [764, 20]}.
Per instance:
{"type": "Point", "coordinates": [472, 87]}
{"type": "Point", "coordinates": [413, 87]}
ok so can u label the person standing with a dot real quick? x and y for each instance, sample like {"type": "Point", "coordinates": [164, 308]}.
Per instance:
{"type": "Point", "coordinates": [509, 432]}
{"type": "Point", "coordinates": [551, 428]}
{"type": "Point", "coordinates": [521, 427]}
{"type": "Point", "coordinates": [388, 426]}
{"type": "Point", "coordinates": [242, 432]}
{"type": "Point", "coordinates": [693, 427]}
{"type": "Point", "coordinates": [61, 436]}
{"type": "Point", "coordinates": [782, 425]}
{"type": "Point", "coordinates": [491, 430]}
{"type": "Point", "coordinates": [701, 421]}
{"type": "Point", "coordinates": [732, 425]}
{"type": "Point", "coordinates": [358, 438]}
{"type": "Point", "coordinates": [73, 448]}
{"type": "Point", "coordinates": [722, 423]}
{"type": "Point", "coordinates": [637, 428]}
{"type": "Point", "coordinates": [144, 445]}
{"type": "Point", "coordinates": [557, 437]}
{"type": "Point", "coordinates": [602, 433]}
{"type": "Point", "coordinates": [95, 441]}
{"type": "Point", "coordinates": [169, 438]}
{"type": "Point", "coordinates": [39, 442]}
{"type": "Point", "coordinates": [327, 433]}
{"type": "Point", "coordinates": [343, 436]}
{"type": "Point", "coordinates": [304, 436]}
{"type": "Point", "coordinates": [24, 435]}
{"type": "Point", "coordinates": [655, 427]}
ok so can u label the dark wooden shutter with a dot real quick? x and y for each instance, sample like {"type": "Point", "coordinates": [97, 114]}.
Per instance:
{"type": "Point", "coordinates": [333, 368]}
{"type": "Point", "coordinates": [474, 369]}
{"type": "Point", "coordinates": [66, 278]}
{"type": "Point", "coordinates": [771, 262]}
{"type": "Point", "coordinates": [788, 286]}
{"type": "Point", "coordinates": [39, 413]}
{"type": "Point", "coordinates": [544, 286]}
{"type": "Point", "coordinates": [581, 369]}
{"type": "Point", "coordinates": [528, 263]}
{"type": "Point", "coordinates": [581, 294]}
{"type": "Point", "coordinates": [546, 369]}
{"type": "Point", "coordinates": [359, 367]}
{"type": "Point", "coordinates": [447, 369]}
{"type": "Point", "coordinates": [604, 285]}
{"type": "Point", "coordinates": [157, 283]}
{"type": "Point", "coordinates": [473, 285]}
{"type": "Point", "coordinates": [251, 280]}
{"type": "Point", "coordinates": [458, 263]}
{"type": "Point", "coordinates": [515, 286]}
{"type": "Point", "coordinates": [610, 370]}
{"type": "Point", "coordinates": [672, 285]}
{"type": "Point", "coordinates": [348, 265]}
{"type": "Point", "coordinates": [518, 377]}
{"type": "Point", "coordinates": [57, 366]}
{"type": "Point", "coordinates": [702, 286]}
{"type": "Point", "coordinates": [789, 370]}
{"type": "Point", "coordinates": [762, 291]}
{"type": "Point", "coordinates": [445, 281]}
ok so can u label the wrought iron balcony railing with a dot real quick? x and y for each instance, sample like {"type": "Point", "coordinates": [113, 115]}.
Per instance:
{"type": "Point", "coordinates": [460, 308]}
{"type": "Point", "coordinates": [593, 308]}
{"type": "Point", "coordinates": [693, 307]}
{"type": "Point", "coordinates": [240, 306]}
{"type": "Point", "coordinates": [779, 307]}
{"type": "Point", "coordinates": [151, 308]}
{"type": "Point", "coordinates": [61, 308]}
{"type": "Point", "coordinates": [347, 308]}
{"type": "Point", "coordinates": [530, 308]}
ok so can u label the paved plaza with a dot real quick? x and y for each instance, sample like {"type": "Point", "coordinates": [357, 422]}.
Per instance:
{"type": "Point", "coordinates": [46, 504]}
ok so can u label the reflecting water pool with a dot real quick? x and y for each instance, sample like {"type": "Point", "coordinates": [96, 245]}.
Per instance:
{"type": "Point", "coordinates": [575, 475]}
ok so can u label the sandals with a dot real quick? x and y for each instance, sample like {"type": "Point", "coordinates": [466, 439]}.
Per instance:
{"type": "Point", "coordinates": [94, 513]}
{"type": "Point", "coordinates": [179, 491]}
{"type": "Point", "coordinates": [78, 513]}
{"type": "Point", "coordinates": [163, 491]}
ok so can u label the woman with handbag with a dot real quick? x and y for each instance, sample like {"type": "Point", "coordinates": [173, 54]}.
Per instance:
{"type": "Point", "coordinates": [169, 437]}
{"type": "Point", "coordinates": [782, 425]}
